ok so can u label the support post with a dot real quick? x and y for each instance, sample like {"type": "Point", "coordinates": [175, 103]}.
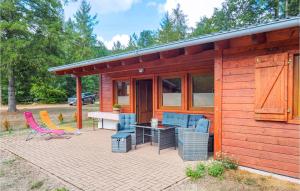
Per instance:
{"type": "Point", "coordinates": [218, 81]}
{"type": "Point", "coordinates": [79, 102]}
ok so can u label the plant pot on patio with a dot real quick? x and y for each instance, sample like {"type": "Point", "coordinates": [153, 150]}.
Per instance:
{"type": "Point", "coordinates": [116, 108]}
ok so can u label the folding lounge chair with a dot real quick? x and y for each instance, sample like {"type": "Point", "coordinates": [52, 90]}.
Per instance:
{"type": "Point", "coordinates": [36, 129]}
{"type": "Point", "coordinates": [50, 125]}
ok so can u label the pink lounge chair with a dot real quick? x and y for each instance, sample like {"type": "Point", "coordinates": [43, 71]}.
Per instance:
{"type": "Point", "coordinates": [36, 129]}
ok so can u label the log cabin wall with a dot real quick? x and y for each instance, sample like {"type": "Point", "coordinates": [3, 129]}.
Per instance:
{"type": "Point", "coordinates": [182, 64]}
{"type": "Point", "coordinates": [268, 145]}
{"type": "Point", "coordinates": [258, 141]}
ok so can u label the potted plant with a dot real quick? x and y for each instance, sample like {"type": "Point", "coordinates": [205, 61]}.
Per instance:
{"type": "Point", "coordinates": [116, 108]}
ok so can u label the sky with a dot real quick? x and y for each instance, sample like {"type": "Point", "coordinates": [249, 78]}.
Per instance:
{"type": "Point", "coordinates": [118, 19]}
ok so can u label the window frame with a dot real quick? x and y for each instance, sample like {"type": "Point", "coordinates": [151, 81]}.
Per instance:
{"type": "Point", "coordinates": [190, 93]}
{"type": "Point", "coordinates": [291, 84]}
{"type": "Point", "coordinates": [160, 95]}
{"type": "Point", "coordinates": [115, 92]}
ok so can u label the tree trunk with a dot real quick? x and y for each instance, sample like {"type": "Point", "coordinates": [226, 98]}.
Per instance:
{"type": "Point", "coordinates": [12, 106]}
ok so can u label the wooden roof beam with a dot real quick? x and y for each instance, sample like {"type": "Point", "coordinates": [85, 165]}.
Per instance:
{"type": "Point", "coordinates": [130, 61]}
{"type": "Point", "coordinates": [259, 38]}
{"type": "Point", "coordinates": [149, 57]}
{"type": "Point", "coordinates": [224, 44]}
{"type": "Point", "coordinates": [172, 53]}
{"type": "Point", "coordinates": [190, 50]}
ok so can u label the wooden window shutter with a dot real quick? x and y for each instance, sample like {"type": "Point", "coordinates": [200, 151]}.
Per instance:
{"type": "Point", "coordinates": [271, 87]}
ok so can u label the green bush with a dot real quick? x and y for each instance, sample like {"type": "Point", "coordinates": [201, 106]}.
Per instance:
{"type": "Point", "coordinates": [37, 185]}
{"type": "Point", "coordinates": [228, 162]}
{"type": "Point", "coordinates": [216, 169]}
{"type": "Point", "coordinates": [196, 173]}
{"type": "Point", "coordinates": [60, 118]}
{"type": "Point", "coordinates": [48, 94]}
{"type": "Point", "coordinates": [61, 189]}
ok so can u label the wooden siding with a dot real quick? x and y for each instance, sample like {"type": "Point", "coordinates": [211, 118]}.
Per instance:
{"type": "Point", "coordinates": [179, 65]}
{"type": "Point", "coordinates": [263, 145]}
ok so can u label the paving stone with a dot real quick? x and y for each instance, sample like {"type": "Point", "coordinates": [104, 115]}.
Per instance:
{"type": "Point", "coordinates": [87, 162]}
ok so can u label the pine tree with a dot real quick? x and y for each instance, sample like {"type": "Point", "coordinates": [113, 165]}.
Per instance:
{"type": "Point", "coordinates": [166, 32]}
{"type": "Point", "coordinates": [173, 26]}
{"type": "Point", "coordinates": [14, 34]}
{"type": "Point", "coordinates": [146, 38]}
{"type": "Point", "coordinates": [84, 26]}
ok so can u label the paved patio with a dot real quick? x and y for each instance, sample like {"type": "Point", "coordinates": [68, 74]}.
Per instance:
{"type": "Point", "coordinates": [87, 163]}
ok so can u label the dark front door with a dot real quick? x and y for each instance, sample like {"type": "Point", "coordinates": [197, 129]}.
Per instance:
{"type": "Point", "coordinates": [144, 100]}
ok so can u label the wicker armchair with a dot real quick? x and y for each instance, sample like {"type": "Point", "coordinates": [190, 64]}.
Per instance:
{"type": "Point", "coordinates": [193, 142]}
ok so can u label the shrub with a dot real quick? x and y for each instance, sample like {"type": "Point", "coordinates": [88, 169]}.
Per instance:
{"type": "Point", "coordinates": [250, 181]}
{"type": "Point", "coordinates": [61, 189]}
{"type": "Point", "coordinates": [47, 94]}
{"type": "Point", "coordinates": [117, 106]}
{"type": "Point", "coordinates": [26, 125]}
{"type": "Point", "coordinates": [6, 125]}
{"type": "Point", "coordinates": [216, 169]}
{"type": "Point", "coordinates": [75, 116]}
{"type": "Point", "coordinates": [37, 185]}
{"type": "Point", "coordinates": [60, 118]}
{"type": "Point", "coordinates": [227, 162]}
{"type": "Point", "coordinates": [196, 173]}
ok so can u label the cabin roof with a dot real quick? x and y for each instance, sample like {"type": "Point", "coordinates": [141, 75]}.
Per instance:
{"type": "Point", "coordinates": [214, 37]}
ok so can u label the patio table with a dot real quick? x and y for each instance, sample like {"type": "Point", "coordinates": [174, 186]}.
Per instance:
{"type": "Point", "coordinates": [166, 135]}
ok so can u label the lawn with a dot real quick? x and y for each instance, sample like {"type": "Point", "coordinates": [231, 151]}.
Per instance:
{"type": "Point", "coordinates": [17, 122]}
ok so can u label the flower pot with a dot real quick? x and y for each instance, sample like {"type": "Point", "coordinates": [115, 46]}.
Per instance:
{"type": "Point", "coordinates": [116, 110]}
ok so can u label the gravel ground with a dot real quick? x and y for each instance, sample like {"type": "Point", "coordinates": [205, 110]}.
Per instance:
{"type": "Point", "coordinates": [16, 174]}
{"type": "Point", "coordinates": [235, 181]}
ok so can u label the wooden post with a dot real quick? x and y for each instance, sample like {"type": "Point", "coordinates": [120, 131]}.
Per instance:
{"type": "Point", "coordinates": [218, 72]}
{"type": "Point", "coordinates": [79, 102]}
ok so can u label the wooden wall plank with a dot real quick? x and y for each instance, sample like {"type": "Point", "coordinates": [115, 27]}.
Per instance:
{"type": "Point", "coordinates": [265, 145]}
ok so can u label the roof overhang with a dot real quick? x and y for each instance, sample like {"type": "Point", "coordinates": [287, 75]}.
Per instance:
{"type": "Point", "coordinates": [215, 37]}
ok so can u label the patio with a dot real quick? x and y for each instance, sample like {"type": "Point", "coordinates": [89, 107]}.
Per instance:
{"type": "Point", "coordinates": [87, 163]}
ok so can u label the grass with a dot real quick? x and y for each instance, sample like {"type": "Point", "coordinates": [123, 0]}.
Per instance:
{"type": "Point", "coordinates": [37, 185]}
{"type": "Point", "coordinates": [2, 173]}
{"type": "Point", "coordinates": [196, 173]}
{"type": "Point", "coordinates": [259, 182]}
{"type": "Point", "coordinates": [216, 169]}
{"type": "Point", "coordinates": [61, 189]}
{"type": "Point", "coordinates": [227, 162]}
{"type": "Point", "coordinates": [17, 121]}
{"type": "Point", "coordinates": [9, 162]}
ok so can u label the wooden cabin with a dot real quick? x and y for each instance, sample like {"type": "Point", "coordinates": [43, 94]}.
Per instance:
{"type": "Point", "coordinates": [246, 81]}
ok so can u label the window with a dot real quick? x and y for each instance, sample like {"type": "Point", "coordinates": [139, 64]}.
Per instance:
{"type": "Point", "coordinates": [201, 91]}
{"type": "Point", "coordinates": [171, 91]}
{"type": "Point", "coordinates": [122, 91]}
{"type": "Point", "coordinates": [296, 88]}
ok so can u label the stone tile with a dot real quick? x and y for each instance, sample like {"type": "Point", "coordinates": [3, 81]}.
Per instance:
{"type": "Point", "coordinates": [86, 161]}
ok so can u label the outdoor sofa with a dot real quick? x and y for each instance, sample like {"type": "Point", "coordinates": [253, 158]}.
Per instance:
{"type": "Point", "coordinates": [180, 120]}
